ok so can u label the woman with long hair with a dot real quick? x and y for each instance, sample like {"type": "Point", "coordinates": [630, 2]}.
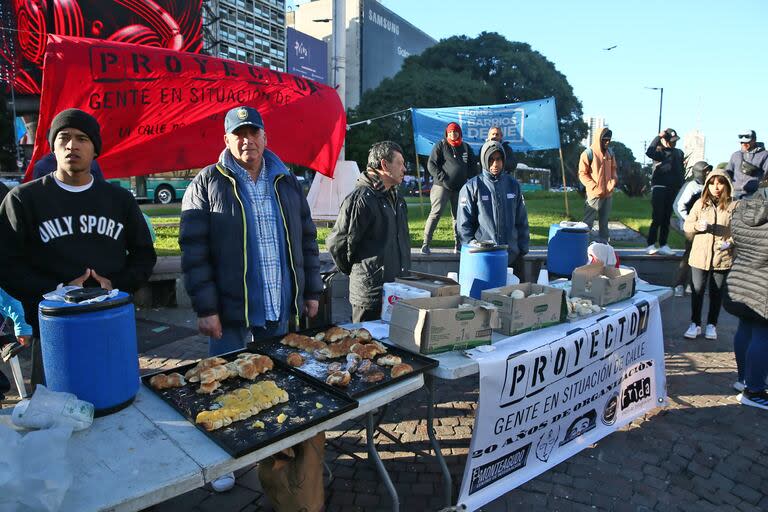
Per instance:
{"type": "Point", "coordinates": [709, 222]}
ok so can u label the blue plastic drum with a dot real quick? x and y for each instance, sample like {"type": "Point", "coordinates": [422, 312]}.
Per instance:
{"type": "Point", "coordinates": [566, 249]}
{"type": "Point", "coordinates": [481, 268]}
{"type": "Point", "coordinates": [90, 350]}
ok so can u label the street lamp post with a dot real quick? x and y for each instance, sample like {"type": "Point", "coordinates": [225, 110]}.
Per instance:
{"type": "Point", "coordinates": [661, 101]}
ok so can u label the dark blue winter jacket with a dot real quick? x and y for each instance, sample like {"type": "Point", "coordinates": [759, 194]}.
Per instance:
{"type": "Point", "coordinates": [215, 237]}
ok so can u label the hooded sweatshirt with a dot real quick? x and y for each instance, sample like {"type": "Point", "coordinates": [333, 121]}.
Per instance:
{"type": "Point", "coordinates": [451, 166]}
{"type": "Point", "coordinates": [599, 177]}
{"type": "Point", "coordinates": [492, 208]}
{"type": "Point", "coordinates": [705, 249]}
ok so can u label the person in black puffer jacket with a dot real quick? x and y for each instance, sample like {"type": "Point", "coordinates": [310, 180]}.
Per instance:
{"type": "Point", "coordinates": [746, 297]}
{"type": "Point", "coordinates": [451, 164]}
{"type": "Point", "coordinates": [370, 240]}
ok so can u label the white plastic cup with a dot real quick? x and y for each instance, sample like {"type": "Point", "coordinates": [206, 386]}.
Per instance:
{"type": "Point", "coordinates": [543, 277]}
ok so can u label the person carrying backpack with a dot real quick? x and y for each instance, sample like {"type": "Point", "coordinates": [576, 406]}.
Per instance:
{"type": "Point", "coordinates": [597, 172]}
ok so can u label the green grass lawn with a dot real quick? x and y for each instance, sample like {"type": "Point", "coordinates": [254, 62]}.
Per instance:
{"type": "Point", "coordinates": [544, 209]}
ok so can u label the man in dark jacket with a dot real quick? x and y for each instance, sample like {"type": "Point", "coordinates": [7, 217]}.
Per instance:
{"type": "Point", "coordinates": [70, 228]}
{"type": "Point", "coordinates": [748, 165]}
{"type": "Point", "coordinates": [451, 164]}
{"type": "Point", "coordinates": [667, 178]}
{"type": "Point", "coordinates": [491, 207]}
{"type": "Point", "coordinates": [249, 247]}
{"type": "Point", "coordinates": [510, 162]}
{"type": "Point", "coordinates": [370, 240]}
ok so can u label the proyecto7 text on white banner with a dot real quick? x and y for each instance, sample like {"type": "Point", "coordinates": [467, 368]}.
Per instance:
{"type": "Point", "coordinates": [546, 395]}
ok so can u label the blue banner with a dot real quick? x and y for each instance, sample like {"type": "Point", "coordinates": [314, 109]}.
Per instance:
{"type": "Point", "coordinates": [527, 126]}
{"type": "Point", "coordinates": [307, 56]}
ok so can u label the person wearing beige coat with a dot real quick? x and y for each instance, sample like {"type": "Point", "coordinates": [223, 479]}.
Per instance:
{"type": "Point", "coordinates": [709, 223]}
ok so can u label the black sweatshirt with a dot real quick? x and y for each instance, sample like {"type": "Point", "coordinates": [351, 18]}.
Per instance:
{"type": "Point", "coordinates": [450, 166]}
{"type": "Point", "coordinates": [49, 235]}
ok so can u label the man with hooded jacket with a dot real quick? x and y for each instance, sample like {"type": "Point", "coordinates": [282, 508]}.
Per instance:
{"type": "Point", "coordinates": [597, 172]}
{"type": "Point", "coordinates": [491, 207]}
{"type": "Point", "coordinates": [451, 164]}
{"type": "Point", "coordinates": [748, 166]}
{"type": "Point", "coordinates": [370, 240]}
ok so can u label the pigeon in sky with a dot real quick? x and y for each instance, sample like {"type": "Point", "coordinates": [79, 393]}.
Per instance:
{"type": "Point", "coordinates": [610, 47]}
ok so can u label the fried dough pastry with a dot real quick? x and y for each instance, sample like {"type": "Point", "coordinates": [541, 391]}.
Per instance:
{"type": "Point", "coordinates": [295, 359]}
{"type": "Point", "coordinates": [401, 369]}
{"type": "Point", "coordinates": [163, 381]}
{"type": "Point", "coordinates": [389, 360]}
{"type": "Point", "coordinates": [193, 375]}
{"type": "Point", "coordinates": [340, 379]}
{"type": "Point", "coordinates": [241, 404]}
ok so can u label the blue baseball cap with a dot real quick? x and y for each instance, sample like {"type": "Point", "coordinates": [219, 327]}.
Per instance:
{"type": "Point", "coordinates": [242, 116]}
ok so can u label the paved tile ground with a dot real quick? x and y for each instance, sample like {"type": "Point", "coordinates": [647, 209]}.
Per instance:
{"type": "Point", "coordinates": [703, 452]}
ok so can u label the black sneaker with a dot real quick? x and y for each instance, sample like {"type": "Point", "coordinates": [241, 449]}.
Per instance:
{"type": "Point", "coordinates": [10, 349]}
{"type": "Point", "coordinates": [426, 250]}
{"type": "Point", "coordinates": [754, 398]}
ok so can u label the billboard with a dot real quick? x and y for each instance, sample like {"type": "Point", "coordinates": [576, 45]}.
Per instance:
{"type": "Point", "coordinates": [171, 24]}
{"type": "Point", "coordinates": [307, 56]}
{"type": "Point", "coordinates": [387, 39]}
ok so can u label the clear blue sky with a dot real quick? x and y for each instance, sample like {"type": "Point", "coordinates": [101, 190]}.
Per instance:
{"type": "Point", "coordinates": [709, 55]}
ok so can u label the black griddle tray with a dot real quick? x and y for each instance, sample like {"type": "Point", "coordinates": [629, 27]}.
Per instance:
{"type": "Point", "coordinates": [319, 369]}
{"type": "Point", "coordinates": [241, 437]}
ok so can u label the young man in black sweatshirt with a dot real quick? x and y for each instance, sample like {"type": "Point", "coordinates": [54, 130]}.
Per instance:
{"type": "Point", "coordinates": [69, 229]}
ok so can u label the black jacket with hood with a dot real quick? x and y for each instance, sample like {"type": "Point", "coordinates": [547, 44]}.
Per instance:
{"type": "Point", "coordinates": [747, 283]}
{"type": "Point", "coordinates": [668, 165]}
{"type": "Point", "coordinates": [370, 240]}
{"type": "Point", "coordinates": [451, 166]}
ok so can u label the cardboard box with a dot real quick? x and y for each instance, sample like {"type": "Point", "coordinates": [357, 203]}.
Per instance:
{"type": "Point", "coordinates": [603, 285]}
{"type": "Point", "coordinates": [438, 286]}
{"type": "Point", "coordinates": [529, 313]}
{"type": "Point", "coordinates": [438, 324]}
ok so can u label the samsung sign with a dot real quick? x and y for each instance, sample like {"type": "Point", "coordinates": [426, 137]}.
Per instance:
{"type": "Point", "coordinates": [387, 40]}
{"type": "Point", "coordinates": [307, 56]}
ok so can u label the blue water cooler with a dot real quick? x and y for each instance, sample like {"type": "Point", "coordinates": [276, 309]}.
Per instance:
{"type": "Point", "coordinates": [482, 267]}
{"type": "Point", "coordinates": [566, 249]}
{"type": "Point", "coordinates": [90, 350]}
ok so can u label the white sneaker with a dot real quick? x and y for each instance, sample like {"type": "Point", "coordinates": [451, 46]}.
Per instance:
{"type": "Point", "coordinates": [651, 249]}
{"type": "Point", "coordinates": [679, 291]}
{"type": "Point", "coordinates": [710, 332]}
{"type": "Point", "coordinates": [666, 250]}
{"type": "Point", "coordinates": [693, 332]}
{"type": "Point", "coordinates": [224, 483]}
{"type": "Point", "coordinates": [739, 386]}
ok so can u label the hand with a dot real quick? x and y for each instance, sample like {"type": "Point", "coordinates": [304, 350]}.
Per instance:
{"type": "Point", "coordinates": [311, 307]}
{"type": "Point", "coordinates": [210, 326]}
{"type": "Point", "coordinates": [24, 339]}
{"type": "Point", "coordinates": [702, 226]}
{"type": "Point", "coordinates": [78, 281]}
{"type": "Point", "coordinates": [103, 281]}
{"type": "Point", "coordinates": [724, 246]}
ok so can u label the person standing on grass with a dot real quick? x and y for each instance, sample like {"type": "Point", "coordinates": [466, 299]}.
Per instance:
{"type": "Point", "coordinates": [709, 224]}
{"type": "Point", "coordinates": [370, 240]}
{"type": "Point", "coordinates": [597, 172]}
{"type": "Point", "coordinates": [451, 164]}
{"type": "Point", "coordinates": [684, 201]}
{"type": "Point", "coordinates": [667, 178]}
{"type": "Point", "coordinates": [746, 297]}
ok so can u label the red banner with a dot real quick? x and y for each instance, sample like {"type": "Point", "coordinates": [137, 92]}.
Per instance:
{"type": "Point", "coordinates": [163, 110]}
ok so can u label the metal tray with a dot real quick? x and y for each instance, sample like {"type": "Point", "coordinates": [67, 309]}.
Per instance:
{"type": "Point", "coordinates": [241, 437]}
{"type": "Point", "coordinates": [318, 370]}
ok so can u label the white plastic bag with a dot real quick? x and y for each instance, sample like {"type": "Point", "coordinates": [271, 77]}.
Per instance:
{"type": "Point", "coordinates": [35, 473]}
{"type": "Point", "coordinates": [53, 409]}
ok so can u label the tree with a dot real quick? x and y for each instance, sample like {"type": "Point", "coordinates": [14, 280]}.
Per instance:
{"type": "Point", "coordinates": [633, 178]}
{"type": "Point", "coordinates": [460, 70]}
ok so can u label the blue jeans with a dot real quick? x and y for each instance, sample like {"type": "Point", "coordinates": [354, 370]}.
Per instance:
{"type": "Point", "coordinates": [750, 346]}
{"type": "Point", "coordinates": [237, 337]}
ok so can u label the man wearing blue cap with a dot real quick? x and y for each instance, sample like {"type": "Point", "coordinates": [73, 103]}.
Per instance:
{"type": "Point", "coordinates": [249, 249]}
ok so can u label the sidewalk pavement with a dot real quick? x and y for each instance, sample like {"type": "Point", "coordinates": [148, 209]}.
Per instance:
{"type": "Point", "coordinates": [703, 452]}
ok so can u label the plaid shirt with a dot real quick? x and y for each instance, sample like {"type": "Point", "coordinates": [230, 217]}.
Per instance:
{"type": "Point", "coordinates": [264, 221]}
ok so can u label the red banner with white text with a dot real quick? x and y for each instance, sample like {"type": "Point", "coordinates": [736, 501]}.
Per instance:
{"type": "Point", "coordinates": [162, 110]}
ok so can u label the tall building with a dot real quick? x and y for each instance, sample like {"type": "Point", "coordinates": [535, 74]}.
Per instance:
{"type": "Point", "coordinates": [694, 144]}
{"type": "Point", "coordinates": [595, 124]}
{"type": "Point", "coordinates": [377, 41]}
{"type": "Point", "coordinates": [249, 31]}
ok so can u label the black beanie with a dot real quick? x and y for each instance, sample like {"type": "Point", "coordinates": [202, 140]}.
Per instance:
{"type": "Point", "coordinates": [76, 118]}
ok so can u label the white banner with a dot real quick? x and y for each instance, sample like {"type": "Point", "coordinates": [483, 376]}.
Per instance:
{"type": "Point", "coordinates": [545, 395]}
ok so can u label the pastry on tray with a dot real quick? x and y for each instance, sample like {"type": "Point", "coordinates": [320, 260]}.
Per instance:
{"type": "Point", "coordinates": [241, 404]}
{"type": "Point", "coordinates": [401, 369]}
{"type": "Point", "coordinates": [295, 359]}
{"type": "Point", "coordinates": [193, 375]}
{"type": "Point", "coordinates": [163, 381]}
{"type": "Point", "coordinates": [340, 379]}
{"type": "Point", "coordinates": [389, 360]}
